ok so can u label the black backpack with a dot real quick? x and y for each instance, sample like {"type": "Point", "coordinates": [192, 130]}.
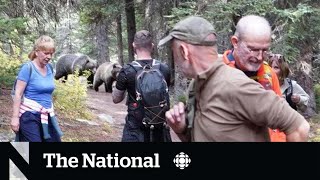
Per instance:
{"type": "Point", "coordinates": [151, 92]}
{"type": "Point", "coordinates": [288, 93]}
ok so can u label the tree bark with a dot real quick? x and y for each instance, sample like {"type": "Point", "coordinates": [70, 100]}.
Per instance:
{"type": "Point", "coordinates": [102, 42]}
{"type": "Point", "coordinates": [119, 40]}
{"type": "Point", "coordinates": [151, 22]}
{"type": "Point", "coordinates": [156, 24]}
{"type": "Point", "coordinates": [303, 75]}
{"type": "Point", "coordinates": [131, 26]}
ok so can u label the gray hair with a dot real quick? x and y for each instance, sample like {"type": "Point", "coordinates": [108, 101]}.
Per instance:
{"type": "Point", "coordinates": [252, 24]}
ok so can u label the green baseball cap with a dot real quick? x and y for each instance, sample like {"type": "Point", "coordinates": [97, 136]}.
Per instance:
{"type": "Point", "coordinates": [193, 30]}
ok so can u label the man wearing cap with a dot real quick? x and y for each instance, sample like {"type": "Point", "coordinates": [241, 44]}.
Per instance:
{"type": "Point", "coordinates": [134, 129]}
{"type": "Point", "coordinates": [229, 105]}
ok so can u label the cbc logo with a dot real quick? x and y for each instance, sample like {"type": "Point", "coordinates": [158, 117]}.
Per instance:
{"type": "Point", "coordinates": [182, 160]}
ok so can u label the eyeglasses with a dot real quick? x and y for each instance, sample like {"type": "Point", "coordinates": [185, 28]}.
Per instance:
{"type": "Point", "coordinates": [279, 57]}
{"type": "Point", "coordinates": [256, 52]}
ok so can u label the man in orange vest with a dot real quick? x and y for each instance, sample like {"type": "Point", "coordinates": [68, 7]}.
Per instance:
{"type": "Point", "coordinates": [251, 42]}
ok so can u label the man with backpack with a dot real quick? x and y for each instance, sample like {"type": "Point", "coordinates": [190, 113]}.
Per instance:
{"type": "Point", "coordinates": [146, 81]}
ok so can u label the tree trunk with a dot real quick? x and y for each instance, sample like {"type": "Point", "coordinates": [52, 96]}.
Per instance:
{"type": "Point", "coordinates": [131, 26]}
{"type": "Point", "coordinates": [69, 41]}
{"type": "Point", "coordinates": [102, 40]}
{"type": "Point", "coordinates": [303, 75]}
{"type": "Point", "coordinates": [151, 22]}
{"type": "Point", "coordinates": [180, 86]}
{"type": "Point", "coordinates": [156, 24]}
{"type": "Point", "coordinates": [119, 40]}
{"type": "Point", "coordinates": [21, 36]}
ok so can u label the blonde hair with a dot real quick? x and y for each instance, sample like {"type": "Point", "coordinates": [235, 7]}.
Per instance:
{"type": "Point", "coordinates": [283, 65]}
{"type": "Point", "coordinates": [42, 43]}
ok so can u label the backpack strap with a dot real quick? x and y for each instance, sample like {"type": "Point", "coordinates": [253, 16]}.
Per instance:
{"type": "Point", "coordinates": [15, 82]}
{"type": "Point", "coordinates": [30, 68]}
{"type": "Point", "coordinates": [288, 93]}
{"type": "Point", "coordinates": [135, 65]}
{"type": "Point", "coordinates": [156, 64]}
{"type": "Point", "coordinates": [51, 68]}
{"type": "Point", "coordinates": [290, 83]}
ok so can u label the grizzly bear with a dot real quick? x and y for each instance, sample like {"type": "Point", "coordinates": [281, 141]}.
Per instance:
{"type": "Point", "coordinates": [106, 73]}
{"type": "Point", "coordinates": [68, 63]}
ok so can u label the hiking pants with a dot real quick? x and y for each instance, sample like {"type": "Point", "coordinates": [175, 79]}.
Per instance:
{"type": "Point", "coordinates": [31, 129]}
{"type": "Point", "coordinates": [135, 131]}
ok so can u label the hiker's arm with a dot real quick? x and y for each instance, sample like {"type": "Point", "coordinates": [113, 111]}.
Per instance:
{"type": "Point", "coordinates": [300, 97]}
{"type": "Point", "coordinates": [300, 134]}
{"type": "Point", "coordinates": [177, 121]}
{"type": "Point", "coordinates": [119, 89]}
{"type": "Point", "coordinates": [117, 95]}
{"type": "Point", "coordinates": [20, 87]}
{"type": "Point", "coordinates": [266, 109]}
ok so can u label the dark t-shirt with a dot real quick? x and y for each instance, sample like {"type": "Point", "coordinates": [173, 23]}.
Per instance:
{"type": "Point", "coordinates": [127, 75]}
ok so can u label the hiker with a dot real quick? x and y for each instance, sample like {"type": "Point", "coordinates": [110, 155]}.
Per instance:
{"type": "Point", "coordinates": [251, 42]}
{"type": "Point", "coordinates": [229, 105]}
{"type": "Point", "coordinates": [144, 124]}
{"type": "Point", "coordinates": [290, 89]}
{"type": "Point", "coordinates": [33, 118]}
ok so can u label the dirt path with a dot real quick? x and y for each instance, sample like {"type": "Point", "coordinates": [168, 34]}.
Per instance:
{"type": "Point", "coordinates": [106, 125]}
{"type": "Point", "coordinates": [101, 104]}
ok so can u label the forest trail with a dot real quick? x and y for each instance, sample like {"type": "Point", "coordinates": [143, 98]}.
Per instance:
{"type": "Point", "coordinates": [106, 124]}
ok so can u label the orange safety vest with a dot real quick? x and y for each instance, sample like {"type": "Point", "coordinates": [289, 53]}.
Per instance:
{"type": "Point", "coordinates": [269, 80]}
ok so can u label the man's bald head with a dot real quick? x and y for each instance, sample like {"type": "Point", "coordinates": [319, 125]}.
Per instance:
{"type": "Point", "coordinates": [252, 25]}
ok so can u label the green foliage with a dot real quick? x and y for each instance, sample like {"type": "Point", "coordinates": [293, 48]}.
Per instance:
{"type": "Point", "coordinates": [317, 95]}
{"type": "Point", "coordinates": [9, 67]}
{"type": "Point", "coordinates": [178, 13]}
{"type": "Point", "coordinates": [93, 12]}
{"type": "Point", "coordinates": [96, 10]}
{"type": "Point", "coordinates": [316, 137]}
{"type": "Point", "coordinates": [182, 98]}
{"type": "Point", "coordinates": [315, 129]}
{"type": "Point", "coordinates": [70, 97]}
{"type": "Point", "coordinates": [293, 28]}
{"type": "Point", "coordinates": [11, 27]}
{"type": "Point", "coordinates": [222, 14]}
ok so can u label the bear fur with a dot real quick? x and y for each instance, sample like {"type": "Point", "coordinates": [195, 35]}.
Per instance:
{"type": "Point", "coordinates": [68, 63]}
{"type": "Point", "coordinates": [106, 73]}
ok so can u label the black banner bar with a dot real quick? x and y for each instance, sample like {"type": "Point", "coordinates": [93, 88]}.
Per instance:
{"type": "Point", "coordinates": [168, 160]}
